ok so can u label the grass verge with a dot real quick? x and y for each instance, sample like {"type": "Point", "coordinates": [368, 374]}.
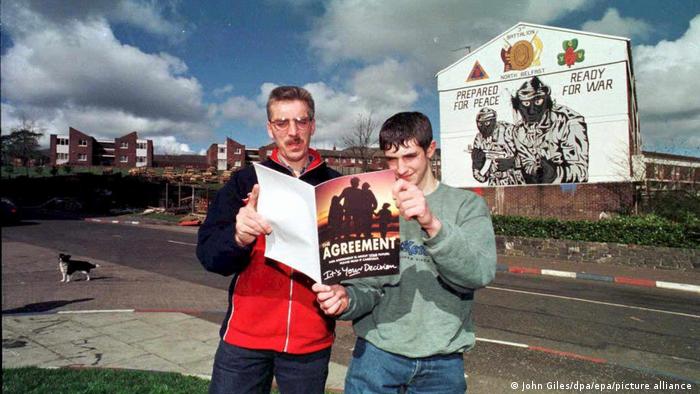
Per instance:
{"type": "Point", "coordinates": [97, 380]}
{"type": "Point", "coordinates": [166, 217]}
{"type": "Point", "coordinates": [33, 380]}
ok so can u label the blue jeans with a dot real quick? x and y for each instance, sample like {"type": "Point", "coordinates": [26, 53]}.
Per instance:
{"type": "Point", "coordinates": [240, 370]}
{"type": "Point", "coordinates": [373, 370]}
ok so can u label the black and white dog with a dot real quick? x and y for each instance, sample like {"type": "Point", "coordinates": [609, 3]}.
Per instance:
{"type": "Point", "coordinates": [68, 267]}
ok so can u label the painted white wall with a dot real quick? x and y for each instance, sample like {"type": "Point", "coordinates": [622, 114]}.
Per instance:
{"type": "Point", "coordinates": [596, 88]}
{"type": "Point", "coordinates": [62, 149]}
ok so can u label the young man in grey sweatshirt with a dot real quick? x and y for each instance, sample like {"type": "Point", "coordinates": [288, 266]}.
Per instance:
{"type": "Point", "coordinates": [413, 328]}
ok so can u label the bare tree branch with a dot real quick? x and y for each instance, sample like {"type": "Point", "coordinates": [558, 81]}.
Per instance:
{"type": "Point", "coordinates": [361, 140]}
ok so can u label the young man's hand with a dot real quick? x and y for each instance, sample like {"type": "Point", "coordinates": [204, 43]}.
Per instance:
{"type": "Point", "coordinates": [412, 205]}
{"type": "Point", "coordinates": [333, 299]}
{"type": "Point", "coordinates": [249, 224]}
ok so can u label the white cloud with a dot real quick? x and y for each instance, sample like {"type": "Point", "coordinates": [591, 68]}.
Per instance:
{"type": "Point", "coordinates": [667, 89]}
{"type": "Point", "coordinates": [169, 145]}
{"type": "Point", "coordinates": [146, 15]}
{"type": "Point", "coordinates": [243, 108]}
{"type": "Point", "coordinates": [222, 91]}
{"type": "Point", "coordinates": [86, 65]}
{"type": "Point", "coordinates": [423, 32]}
{"type": "Point", "coordinates": [389, 83]}
{"type": "Point", "coordinates": [672, 135]}
{"type": "Point", "coordinates": [613, 24]}
{"type": "Point", "coordinates": [379, 90]}
{"type": "Point", "coordinates": [29, 15]}
{"type": "Point", "coordinates": [335, 113]}
{"type": "Point", "coordinates": [9, 118]}
{"type": "Point", "coordinates": [101, 123]}
{"type": "Point", "coordinates": [399, 47]}
{"type": "Point", "coordinates": [76, 73]}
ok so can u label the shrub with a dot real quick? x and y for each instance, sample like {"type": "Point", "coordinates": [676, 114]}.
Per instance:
{"type": "Point", "coordinates": [651, 230]}
{"type": "Point", "coordinates": [676, 205]}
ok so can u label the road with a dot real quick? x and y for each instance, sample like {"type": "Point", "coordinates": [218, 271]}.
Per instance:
{"type": "Point", "coordinates": [536, 332]}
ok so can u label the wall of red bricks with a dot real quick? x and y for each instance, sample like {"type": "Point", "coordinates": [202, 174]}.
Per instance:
{"type": "Point", "coordinates": [569, 201]}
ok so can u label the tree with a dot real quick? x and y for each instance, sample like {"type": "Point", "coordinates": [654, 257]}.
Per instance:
{"type": "Point", "coordinates": [361, 139]}
{"type": "Point", "coordinates": [22, 143]}
{"type": "Point", "coordinates": [9, 170]}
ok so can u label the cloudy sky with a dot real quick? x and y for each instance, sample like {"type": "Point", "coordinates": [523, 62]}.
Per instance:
{"type": "Point", "coordinates": [189, 73]}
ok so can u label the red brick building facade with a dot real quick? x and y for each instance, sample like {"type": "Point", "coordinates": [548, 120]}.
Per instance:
{"type": "Point", "coordinates": [80, 149]}
{"type": "Point", "coordinates": [572, 201]}
{"type": "Point", "coordinates": [230, 155]}
{"type": "Point", "coordinates": [128, 151]}
{"type": "Point", "coordinates": [671, 172]}
{"type": "Point", "coordinates": [658, 172]}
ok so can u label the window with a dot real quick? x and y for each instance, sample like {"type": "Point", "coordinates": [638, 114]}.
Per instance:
{"type": "Point", "coordinates": [140, 159]}
{"type": "Point", "coordinates": [62, 141]}
{"type": "Point", "coordinates": [124, 145]}
{"type": "Point", "coordinates": [82, 142]}
{"type": "Point", "coordinates": [123, 159]}
{"type": "Point", "coordinates": [222, 150]}
{"type": "Point", "coordinates": [238, 151]}
{"type": "Point", "coordinates": [141, 145]}
{"type": "Point", "coordinates": [82, 157]}
{"type": "Point", "coordinates": [237, 163]}
{"type": "Point", "coordinates": [62, 156]}
{"type": "Point", "coordinates": [352, 160]}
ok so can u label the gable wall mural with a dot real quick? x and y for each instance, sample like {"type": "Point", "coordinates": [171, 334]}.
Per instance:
{"type": "Point", "coordinates": [539, 105]}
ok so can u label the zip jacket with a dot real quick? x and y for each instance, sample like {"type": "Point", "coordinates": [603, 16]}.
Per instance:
{"type": "Point", "coordinates": [271, 306]}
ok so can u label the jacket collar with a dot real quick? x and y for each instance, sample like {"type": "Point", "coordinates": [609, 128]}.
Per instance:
{"type": "Point", "coordinates": [315, 161]}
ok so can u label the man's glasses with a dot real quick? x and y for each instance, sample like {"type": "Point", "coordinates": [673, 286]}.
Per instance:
{"type": "Point", "coordinates": [303, 124]}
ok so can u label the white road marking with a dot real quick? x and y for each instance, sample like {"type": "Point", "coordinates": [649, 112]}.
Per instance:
{"type": "Point", "coordinates": [181, 243]}
{"type": "Point", "coordinates": [678, 286]}
{"type": "Point", "coordinates": [562, 274]}
{"type": "Point", "coordinates": [595, 302]}
{"type": "Point", "coordinates": [502, 342]}
{"type": "Point", "coordinates": [97, 311]}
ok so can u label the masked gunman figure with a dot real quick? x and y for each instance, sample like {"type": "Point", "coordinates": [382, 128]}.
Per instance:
{"type": "Point", "coordinates": [551, 140]}
{"type": "Point", "coordinates": [493, 154]}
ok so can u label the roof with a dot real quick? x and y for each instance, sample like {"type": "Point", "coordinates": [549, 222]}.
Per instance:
{"type": "Point", "coordinates": [670, 156]}
{"type": "Point", "coordinates": [498, 37]}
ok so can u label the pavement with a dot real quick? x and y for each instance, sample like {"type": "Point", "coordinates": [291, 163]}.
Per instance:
{"type": "Point", "coordinates": [135, 319]}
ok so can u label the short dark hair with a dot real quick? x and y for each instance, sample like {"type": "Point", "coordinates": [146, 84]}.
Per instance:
{"type": "Point", "coordinates": [291, 93]}
{"type": "Point", "coordinates": [404, 127]}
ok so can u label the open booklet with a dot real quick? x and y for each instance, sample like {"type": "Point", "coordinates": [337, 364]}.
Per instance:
{"type": "Point", "coordinates": [344, 228]}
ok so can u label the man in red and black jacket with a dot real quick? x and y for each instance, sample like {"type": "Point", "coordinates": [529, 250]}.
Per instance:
{"type": "Point", "coordinates": [273, 324]}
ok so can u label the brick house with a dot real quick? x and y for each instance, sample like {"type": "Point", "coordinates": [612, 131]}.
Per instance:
{"type": "Point", "coordinates": [230, 155]}
{"type": "Point", "coordinates": [129, 151]}
{"type": "Point", "coordinates": [80, 149]}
